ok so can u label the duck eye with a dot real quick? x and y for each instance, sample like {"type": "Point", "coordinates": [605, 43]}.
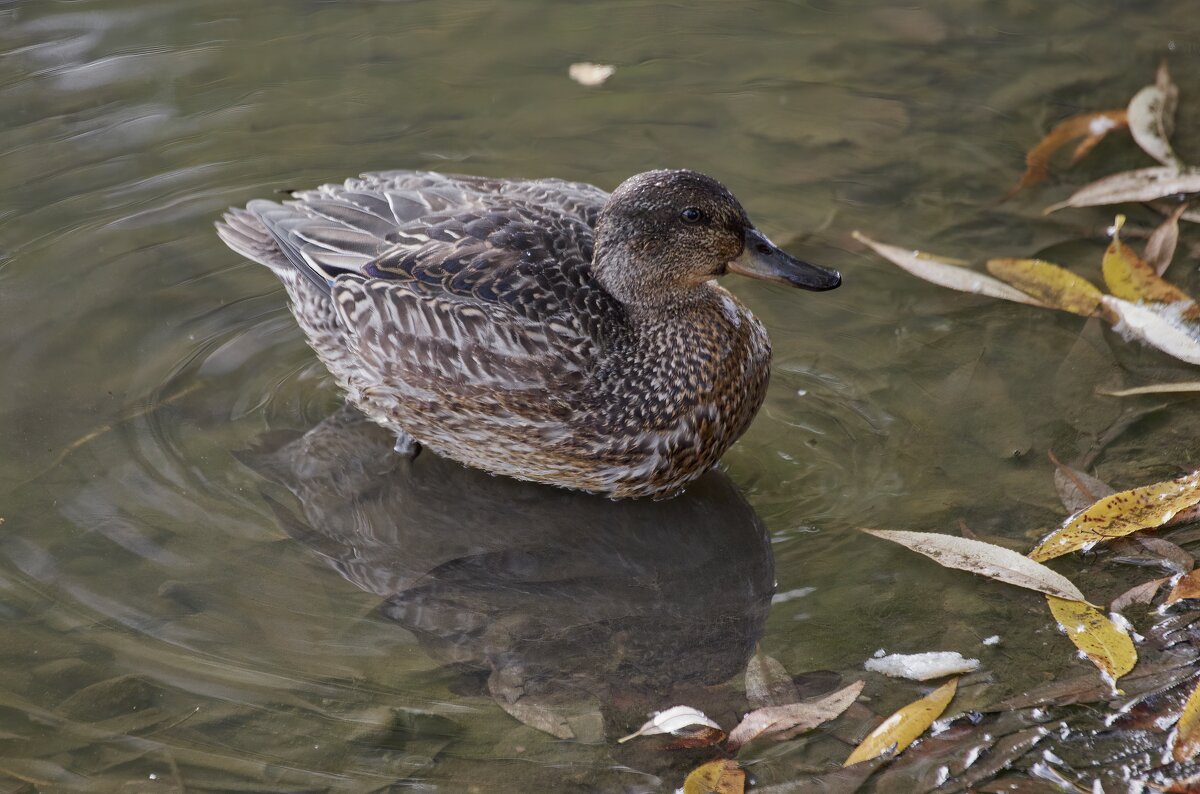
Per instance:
{"type": "Point", "coordinates": [691, 215]}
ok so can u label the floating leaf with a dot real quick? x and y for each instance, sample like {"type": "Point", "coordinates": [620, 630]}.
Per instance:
{"type": "Point", "coordinates": [1143, 184]}
{"type": "Point", "coordinates": [1101, 640]}
{"type": "Point", "coordinates": [723, 776]}
{"type": "Point", "coordinates": [1077, 489]}
{"type": "Point", "coordinates": [1092, 127]}
{"type": "Point", "coordinates": [1154, 388]}
{"type": "Point", "coordinates": [768, 682]}
{"type": "Point", "coordinates": [787, 721]}
{"type": "Point", "coordinates": [672, 720]}
{"type": "Point", "coordinates": [1142, 594]}
{"type": "Point", "coordinates": [945, 272]}
{"type": "Point", "coordinates": [975, 556]}
{"type": "Point", "coordinates": [900, 729]}
{"type": "Point", "coordinates": [1131, 279]}
{"type": "Point", "coordinates": [1151, 117]}
{"type": "Point", "coordinates": [1185, 741]}
{"type": "Point", "coordinates": [1159, 326]}
{"type": "Point", "coordinates": [1160, 248]}
{"type": "Point", "coordinates": [1050, 284]}
{"type": "Point", "coordinates": [1188, 586]}
{"type": "Point", "coordinates": [1121, 514]}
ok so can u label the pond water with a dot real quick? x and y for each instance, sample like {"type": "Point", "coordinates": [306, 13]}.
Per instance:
{"type": "Point", "coordinates": [193, 597]}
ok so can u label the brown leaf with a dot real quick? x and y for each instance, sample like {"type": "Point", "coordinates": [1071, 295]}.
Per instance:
{"type": "Point", "coordinates": [1077, 489]}
{"type": "Point", "coordinates": [785, 722]}
{"type": "Point", "coordinates": [1141, 594]}
{"type": "Point", "coordinates": [1092, 127]}
{"type": "Point", "coordinates": [1160, 248]}
{"type": "Point", "coordinates": [768, 683]}
{"type": "Point", "coordinates": [1188, 586]}
{"type": "Point", "coordinates": [706, 736]}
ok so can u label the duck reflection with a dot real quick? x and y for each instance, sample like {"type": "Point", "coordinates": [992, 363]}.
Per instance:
{"type": "Point", "coordinates": [582, 611]}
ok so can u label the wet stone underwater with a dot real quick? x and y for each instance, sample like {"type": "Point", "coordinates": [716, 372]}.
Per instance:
{"type": "Point", "coordinates": [214, 578]}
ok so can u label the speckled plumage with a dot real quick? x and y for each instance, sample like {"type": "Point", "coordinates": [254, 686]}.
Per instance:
{"type": "Point", "coordinates": [538, 329]}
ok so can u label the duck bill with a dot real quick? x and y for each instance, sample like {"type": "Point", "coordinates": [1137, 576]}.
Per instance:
{"type": "Point", "coordinates": [761, 258]}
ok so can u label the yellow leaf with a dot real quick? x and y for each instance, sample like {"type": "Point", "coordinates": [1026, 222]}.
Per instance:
{"type": "Point", "coordinates": [1186, 740]}
{"type": "Point", "coordinates": [900, 729]}
{"type": "Point", "coordinates": [1049, 283]}
{"type": "Point", "coordinates": [1131, 279]}
{"type": "Point", "coordinates": [716, 777]}
{"type": "Point", "coordinates": [1121, 514]}
{"type": "Point", "coordinates": [1106, 644]}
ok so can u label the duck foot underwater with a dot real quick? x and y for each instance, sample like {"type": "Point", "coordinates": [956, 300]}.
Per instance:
{"type": "Point", "coordinates": [540, 329]}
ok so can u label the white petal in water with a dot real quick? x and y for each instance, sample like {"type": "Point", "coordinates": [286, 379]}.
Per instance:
{"type": "Point", "coordinates": [590, 74]}
{"type": "Point", "coordinates": [672, 720]}
{"type": "Point", "coordinates": [922, 666]}
{"type": "Point", "coordinates": [1159, 325]}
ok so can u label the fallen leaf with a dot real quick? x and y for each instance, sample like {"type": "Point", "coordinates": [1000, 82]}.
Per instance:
{"type": "Point", "coordinates": [1092, 127]}
{"type": "Point", "coordinates": [994, 562]}
{"type": "Point", "coordinates": [723, 776]}
{"type": "Point", "coordinates": [1130, 278]}
{"type": "Point", "coordinates": [922, 666]}
{"type": "Point", "coordinates": [590, 74]}
{"type": "Point", "coordinates": [1121, 514]}
{"type": "Point", "coordinates": [1077, 489]}
{"type": "Point", "coordinates": [1142, 184]}
{"type": "Point", "coordinates": [1160, 248]}
{"type": "Point", "coordinates": [1154, 388]}
{"type": "Point", "coordinates": [672, 720]}
{"type": "Point", "coordinates": [1151, 115]}
{"type": "Point", "coordinates": [768, 682]}
{"type": "Point", "coordinates": [1188, 586]}
{"type": "Point", "coordinates": [900, 729]}
{"type": "Point", "coordinates": [1172, 557]}
{"type": "Point", "coordinates": [1101, 640]}
{"type": "Point", "coordinates": [1049, 284]}
{"type": "Point", "coordinates": [704, 737]}
{"type": "Point", "coordinates": [1141, 594]}
{"type": "Point", "coordinates": [787, 721]}
{"type": "Point", "coordinates": [1159, 326]}
{"type": "Point", "coordinates": [944, 272]}
{"type": "Point", "coordinates": [1185, 740]}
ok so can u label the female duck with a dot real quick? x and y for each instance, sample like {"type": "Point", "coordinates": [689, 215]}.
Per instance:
{"type": "Point", "coordinates": [539, 329]}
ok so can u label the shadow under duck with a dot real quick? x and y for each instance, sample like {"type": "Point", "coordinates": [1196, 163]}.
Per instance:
{"type": "Point", "coordinates": [539, 329]}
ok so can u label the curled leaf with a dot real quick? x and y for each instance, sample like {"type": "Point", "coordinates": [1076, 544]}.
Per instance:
{"type": "Point", "coordinates": [945, 272]}
{"type": "Point", "coordinates": [900, 729]}
{"type": "Point", "coordinates": [1050, 284]}
{"type": "Point", "coordinates": [1143, 184]}
{"type": "Point", "coordinates": [1092, 127]}
{"type": "Point", "coordinates": [1106, 644]}
{"type": "Point", "coordinates": [1160, 248]}
{"type": "Point", "coordinates": [672, 720]}
{"type": "Point", "coordinates": [994, 562]}
{"type": "Point", "coordinates": [785, 722]}
{"type": "Point", "coordinates": [723, 776]}
{"type": "Point", "coordinates": [1151, 116]}
{"type": "Point", "coordinates": [1121, 514]}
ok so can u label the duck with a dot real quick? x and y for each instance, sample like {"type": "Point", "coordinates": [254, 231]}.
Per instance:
{"type": "Point", "coordinates": [539, 329]}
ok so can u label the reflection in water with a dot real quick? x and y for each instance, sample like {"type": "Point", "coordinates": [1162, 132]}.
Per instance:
{"type": "Point", "coordinates": [570, 602]}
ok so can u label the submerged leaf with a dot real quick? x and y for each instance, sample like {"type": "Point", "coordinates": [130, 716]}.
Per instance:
{"type": "Point", "coordinates": [723, 776]}
{"type": "Point", "coordinates": [1050, 284]}
{"type": "Point", "coordinates": [672, 720]}
{"type": "Point", "coordinates": [1188, 586]}
{"type": "Point", "coordinates": [975, 556]}
{"type": "Point", "coordinates": [768, 682]}
{"type": "Point", "coordinates": [1185, 742]}
{"type": "Point", "coordinates": [1159, 326]}
{"type": "Point", "coordinates": [1121, 514]}
{"type": "Point", "coordinates": [900, 729]}
{"type": "Point", "coordinates": [785, 722]}
{"type": "Point", "coordinates": [1154, 388]}
{"type": "Point", "coordinates": [1101, 640]}
{"type": "Point", "coordinates": [1143, 184]}
{"type": "Point", "coordinates": [945, 272]}
{"type": "Point", "coordinates": [1092, 127]}
{"type": "Point", "coordinates": [1160, 248]}
{"type": "Point", "coordinates": [1077, 489]}
{"type": "Point", "coordinates": [1151, 116]}
{"type": "Point", "coordinates": [1141, 594]}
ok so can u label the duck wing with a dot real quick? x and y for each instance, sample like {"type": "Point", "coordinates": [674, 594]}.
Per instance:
{"type": "Point", "coordinates": [462, 282]}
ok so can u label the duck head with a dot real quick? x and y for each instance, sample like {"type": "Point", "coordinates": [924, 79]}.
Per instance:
{"type": "Point", "coordinates": [662, 234]}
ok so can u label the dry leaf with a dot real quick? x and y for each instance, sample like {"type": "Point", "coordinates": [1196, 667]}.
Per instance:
{"type": "Point", "coordinates": [1151, 116]}
{"type": "Point", "coordinates": [768, 683]}
{"type": "Point", "coordinates": [994, 562]}
{"type": "Point", "coordinates": [900, 729]}
{"type": "Point", "coordinates": [1077, 489]}
{"type": "Point", "coordinates": [590, 74]}
{"type": "Point", "coordinates": [1188, 586]}
{"type": "Point", "coordinates": [1142, 594]}
{"type": "Point", "coordinates": [1159, 326]}
{"type": "Point", "coordinates": [1131, 279]}
{"type": "Point", "coordinates": [1091, 126]}
{"type": "Point", "coordinates": [1143, 184]}
{"type": "Point", "coordinates": [1185, 740]}
{"type": "Point", "coordinates": [785, 722]}
{"type": "Point", "coordinates": [723, 776]}
{"type": "Point", "coordinates": [1050, 284]}
{"type": "Point", "coordinates": [1160, 248]}
{"type": "Point", "coordinates": [703, 737]}
{"type": "Point", "coordinates": [1121, 514]}
{"type": "Point", "coordinates": [1155, 388]}
{"type": "Point", "coordinates": [945, 272]}
{"type": "Point", "coordinates": [1101, 640]}
{"type": "Point", "coordinates": [672, 720]}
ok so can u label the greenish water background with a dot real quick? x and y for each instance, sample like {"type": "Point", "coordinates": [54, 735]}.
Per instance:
{"type": "Point", "coordinates": [137, 554]}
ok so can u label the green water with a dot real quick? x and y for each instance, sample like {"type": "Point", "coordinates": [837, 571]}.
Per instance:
{"type": "Point", "coordinates": [172, 619]}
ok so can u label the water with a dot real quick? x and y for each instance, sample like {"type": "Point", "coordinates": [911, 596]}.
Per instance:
{"type": "Point", "coordinates": [173, 617]}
